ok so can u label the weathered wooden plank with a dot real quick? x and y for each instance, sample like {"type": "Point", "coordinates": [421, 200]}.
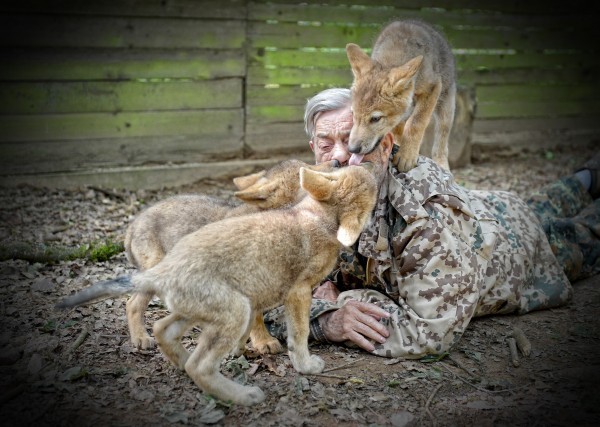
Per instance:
{"type": "Point", "coordinates": [519, 76]}
{"type": "Point", "coordinates": [93, 96]}
{"type": "Point", "coordinates": [299, 76]}
{"type": "Point", "coordinates": [287, 35]}
{"type": "Point", "coordinates": [483, 126]}
{"type": "Point", "coordinates": [154, 177]}
{"type": "Point", "coordinates": [283, 95]}
{"type": "Point", "coordinates": [524, 108]}
{"type": "Point", "coordinates": [277, 137]}
{"type": "Point", "coordinates": [230, 9]}
{"type": "Point", "coordinates": [103, 32]}
{"type": "Point", "coordinates": [119, 64]}
{"type": "Point", "coordinates": [512, 6]}
{"type": "Point", "coordinates": [374, 14]}
{"type": "Point", "coordinates": [58, 127]}
{"type": "Point", "coordinates": [531, 92]}
{"type": "Point", "coordinates": [343, 77]}
{"type": "Point", "coordinates": [525, 60]}
{"type": "Point", "coordinates": [274, 114]}
{"type": "Point", "coordinates": [319, 58]}
{"type": "Point", "coordinates": [71, 155]}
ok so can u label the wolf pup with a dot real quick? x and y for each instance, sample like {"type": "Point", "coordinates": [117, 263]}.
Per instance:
{"type": "Point", "coordinates": [156, 230]}
{"type": "Point", "coordinates": [218, 277]}
{"type": "Point", "coordinates": [406, 85]}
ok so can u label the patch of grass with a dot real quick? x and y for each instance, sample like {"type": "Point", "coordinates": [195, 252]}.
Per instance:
{"type": "Point", "coordinates": [49, 254]}
{"type": "Point", "coordinates": [98, 252]}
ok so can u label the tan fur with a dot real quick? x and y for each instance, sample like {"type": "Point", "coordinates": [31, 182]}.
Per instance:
{"type": "Point", "coordinates": [407, 85]}
{"type": "Point", "coordinates": [156, 230]}
{"type": "Point", "coordinates": [221, 275]}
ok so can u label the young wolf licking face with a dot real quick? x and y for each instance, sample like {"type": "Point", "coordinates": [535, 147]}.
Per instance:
{"type": "Point", "coordinates": [157, 229]}
{"type": "Point", "coordinates": [219, 276]}
{"type": "Point", "coordinates": [407, 85]}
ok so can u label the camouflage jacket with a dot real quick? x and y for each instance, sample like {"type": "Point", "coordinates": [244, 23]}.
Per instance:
{"type": "Point", "coordinates": [446, 254]}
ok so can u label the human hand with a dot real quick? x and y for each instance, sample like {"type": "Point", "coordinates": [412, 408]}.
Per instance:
{"type": "Point", "coordinates": [357, 322]}
{"type": "Point", "coordinates": [326, 291]}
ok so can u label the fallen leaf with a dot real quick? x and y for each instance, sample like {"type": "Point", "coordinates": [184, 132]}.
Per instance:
{"type": "Point", "coordinates": [402, 419]}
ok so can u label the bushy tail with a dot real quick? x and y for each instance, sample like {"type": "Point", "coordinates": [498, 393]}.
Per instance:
{"type": "Point", "coordinates": [98, 291]}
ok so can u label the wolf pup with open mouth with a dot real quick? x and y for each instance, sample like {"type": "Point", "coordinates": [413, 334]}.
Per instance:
{"type": "Point", "coordinates": [406, 85]}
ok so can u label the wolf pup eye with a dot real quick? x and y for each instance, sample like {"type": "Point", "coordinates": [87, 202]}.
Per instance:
{"type": "Point", "coordinates": [375, 119]}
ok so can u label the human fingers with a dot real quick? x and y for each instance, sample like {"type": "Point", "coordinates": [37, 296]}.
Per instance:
{"type": "Point", "coordinates": [350, 323]}
{"type": "Point", "coordinates": [370, 309]}
{"type": "Point", "coordinates": [327, 291]}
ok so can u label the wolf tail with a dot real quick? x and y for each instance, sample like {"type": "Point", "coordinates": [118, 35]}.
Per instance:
{"type": "Point", "coordinates": [98, 291]}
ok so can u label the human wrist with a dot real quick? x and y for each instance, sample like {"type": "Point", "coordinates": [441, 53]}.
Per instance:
{"type": "Point", "coordinates": [316, 330]}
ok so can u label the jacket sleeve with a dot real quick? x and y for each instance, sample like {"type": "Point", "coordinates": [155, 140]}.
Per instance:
{"type": "Point", "coordinates": [434, 274]}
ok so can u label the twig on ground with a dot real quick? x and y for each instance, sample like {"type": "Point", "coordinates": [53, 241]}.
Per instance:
{"type": "Point", "coordinates": [523, 343]}
{"type": "Point", "coordinates": [433, 420]}
{"type": "Point", "coordinates": [479, 388]}
{"type": "Point", "coordinates": [459, 365]}
{"type": "Point", "coordinates": [344, 366]}
{"type": "Point", "coordinates": [379, 416]}
{"type": "Point", "coordinates": [329, 376]}
{"type": "Point", "coordinates": [514, 355]}
{"type": "Point", "coordinates": [80, 339]}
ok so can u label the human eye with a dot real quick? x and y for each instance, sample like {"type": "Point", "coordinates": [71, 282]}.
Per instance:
{"type": "Point", "coordinates": [325, 145]}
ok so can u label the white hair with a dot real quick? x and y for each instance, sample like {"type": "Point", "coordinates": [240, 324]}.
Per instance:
{"type": "Point", "coordinates": [326, 100]}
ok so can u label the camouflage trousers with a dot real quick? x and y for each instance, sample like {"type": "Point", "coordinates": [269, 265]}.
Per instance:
{"type": "Point", "coordinates": [571, 221]}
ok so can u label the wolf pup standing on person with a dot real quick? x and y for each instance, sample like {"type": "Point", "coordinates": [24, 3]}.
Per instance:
{"type": "Point", "coordinates": [156, 230]}
{"type": "Point", "coordinates": [406, 85]}
{"type": "Point", "coordinates": [221, 275]}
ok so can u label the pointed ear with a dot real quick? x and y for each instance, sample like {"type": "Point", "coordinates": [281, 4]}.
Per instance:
{"type": "Point", "coordinates": [243, 182]}
{"type": "Point", "coordinates": [350, 228]}
{"type": "Point", "coordinates": [400, 77]}
{"type": "Point", "coordinates": [359, 61]}
{"type": "Point", "coordinates": [256, 193]}
{"type": "Point", "coordinates": [319, 185]}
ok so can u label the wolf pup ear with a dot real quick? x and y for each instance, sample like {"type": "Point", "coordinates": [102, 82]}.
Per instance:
{"type": "Point", "coordinates": [359, 60]}
{"type": "Point", "coordinates": [350, 228]}
{"type": "Point", "coordinates": [400, 77]}
{"type": "Point", "coordinates": [258, 192]}
{"type": "Point", "coordinates": [319, 185]}
{"type": "Point", "coordinates": [243, 182]}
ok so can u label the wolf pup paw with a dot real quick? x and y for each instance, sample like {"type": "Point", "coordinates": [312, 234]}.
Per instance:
{"type": "Point", "coordinates": [253, 396]}
{"type": "Point", "coordinates": [405, 164]}
{"type": "Point", "coordinates": [271, 346]}
{"type": "Point", "coordinates": [312, 365]}
{"type": "Point", "coordinates": [143, 343]}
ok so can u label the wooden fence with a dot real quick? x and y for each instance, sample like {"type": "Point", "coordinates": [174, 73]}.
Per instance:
{"type": "Point", "coordinates": [162, 92]}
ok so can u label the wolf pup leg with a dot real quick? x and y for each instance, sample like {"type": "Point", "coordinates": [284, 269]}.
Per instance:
{"type": "Point", "coordinates": [135, 308]}
{"type": "Point", "coordinates": [261, 339]}
{"type": "Point", "coordinates": [297, 307]}
{"type": "Point", "coordinates": [411, 136]}
{"type": "Point", "coordinates": [168, 332]}
{"type": "Point", "coordinates": [217, 340]}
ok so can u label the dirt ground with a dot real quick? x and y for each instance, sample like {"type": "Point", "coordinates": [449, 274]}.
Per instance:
{"type": "Point", "coordinates": [78, 367]}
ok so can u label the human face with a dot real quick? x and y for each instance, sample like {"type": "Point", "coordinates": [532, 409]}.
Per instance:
{"type": "Point", "coordinates": [330, 142]}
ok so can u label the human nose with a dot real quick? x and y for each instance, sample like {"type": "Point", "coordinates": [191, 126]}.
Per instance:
{"type": "Point", "coordinates": [340, 153]}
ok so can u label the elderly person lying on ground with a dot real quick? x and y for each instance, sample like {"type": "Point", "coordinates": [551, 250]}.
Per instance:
{"type": "Point", "coordinates": [435, 255]}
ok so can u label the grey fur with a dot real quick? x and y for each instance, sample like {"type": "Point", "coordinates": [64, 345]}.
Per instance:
{"type": "Point", "coordinates": [98, 291]}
